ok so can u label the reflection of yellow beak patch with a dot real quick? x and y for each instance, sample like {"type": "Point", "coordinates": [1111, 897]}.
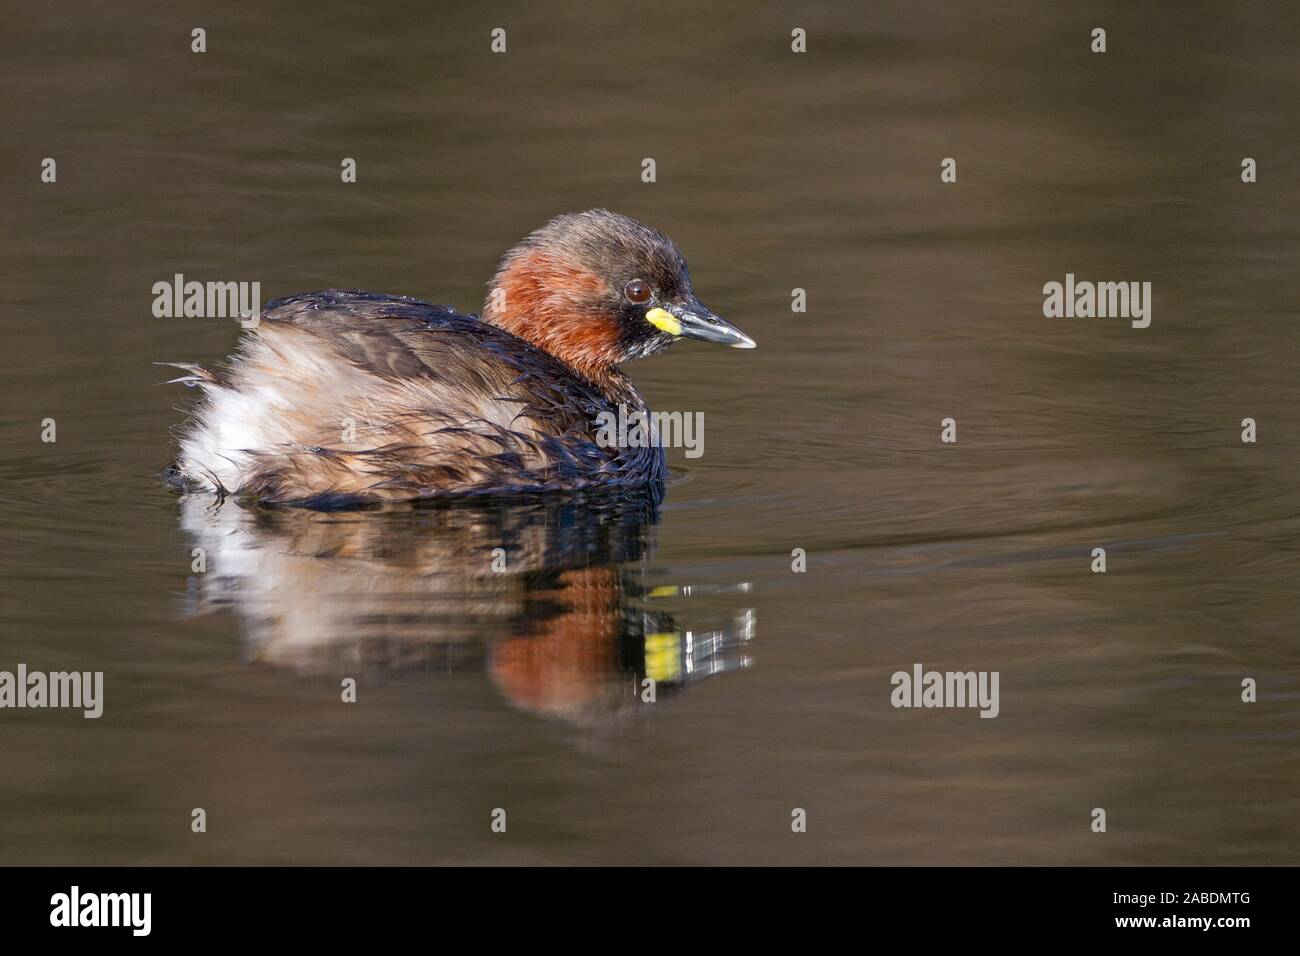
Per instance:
{"type": "Point", "coordinates": [664, 321]}
{"type": "Point", "coordinates": [662, 657]}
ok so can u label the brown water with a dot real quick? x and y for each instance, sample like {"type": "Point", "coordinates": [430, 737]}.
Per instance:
{"type": "Point", "coordinates": [775, 170]}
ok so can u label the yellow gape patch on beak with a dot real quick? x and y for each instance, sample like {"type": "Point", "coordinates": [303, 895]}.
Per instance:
{"type": "Point", "coordinates": [664, 321]}
{"type": "Point", "coordinates": [662, 657]}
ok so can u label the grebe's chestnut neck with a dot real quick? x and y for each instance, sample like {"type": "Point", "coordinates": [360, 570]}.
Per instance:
{"type": "Point", "coordinates": [596, 289]}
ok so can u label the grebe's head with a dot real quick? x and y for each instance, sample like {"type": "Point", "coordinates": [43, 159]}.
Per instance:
{"type": "Point", "coordinates": [595, 289]}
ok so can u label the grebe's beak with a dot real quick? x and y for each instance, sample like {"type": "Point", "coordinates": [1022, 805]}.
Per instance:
{"type": "Point", "coordinates": [693, 320]}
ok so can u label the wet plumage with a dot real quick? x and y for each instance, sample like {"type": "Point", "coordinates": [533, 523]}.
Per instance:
{"type": "Point", "coordinates": [339, 397]}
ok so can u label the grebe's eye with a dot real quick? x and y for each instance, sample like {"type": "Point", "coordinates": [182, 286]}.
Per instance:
{"type": "Point", "coordinates": [637, 291]}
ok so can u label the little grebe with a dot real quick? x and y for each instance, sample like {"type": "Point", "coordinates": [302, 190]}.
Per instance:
{"type": "Point", "coordinates": [342, 397]}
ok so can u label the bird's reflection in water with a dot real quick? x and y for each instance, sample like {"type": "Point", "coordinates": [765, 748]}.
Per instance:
{"type": "Point", "coordinates": [552, 598]}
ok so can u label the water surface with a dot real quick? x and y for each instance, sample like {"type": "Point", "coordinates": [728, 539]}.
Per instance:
{"type": "Point", "coordinates": [521, 690]}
